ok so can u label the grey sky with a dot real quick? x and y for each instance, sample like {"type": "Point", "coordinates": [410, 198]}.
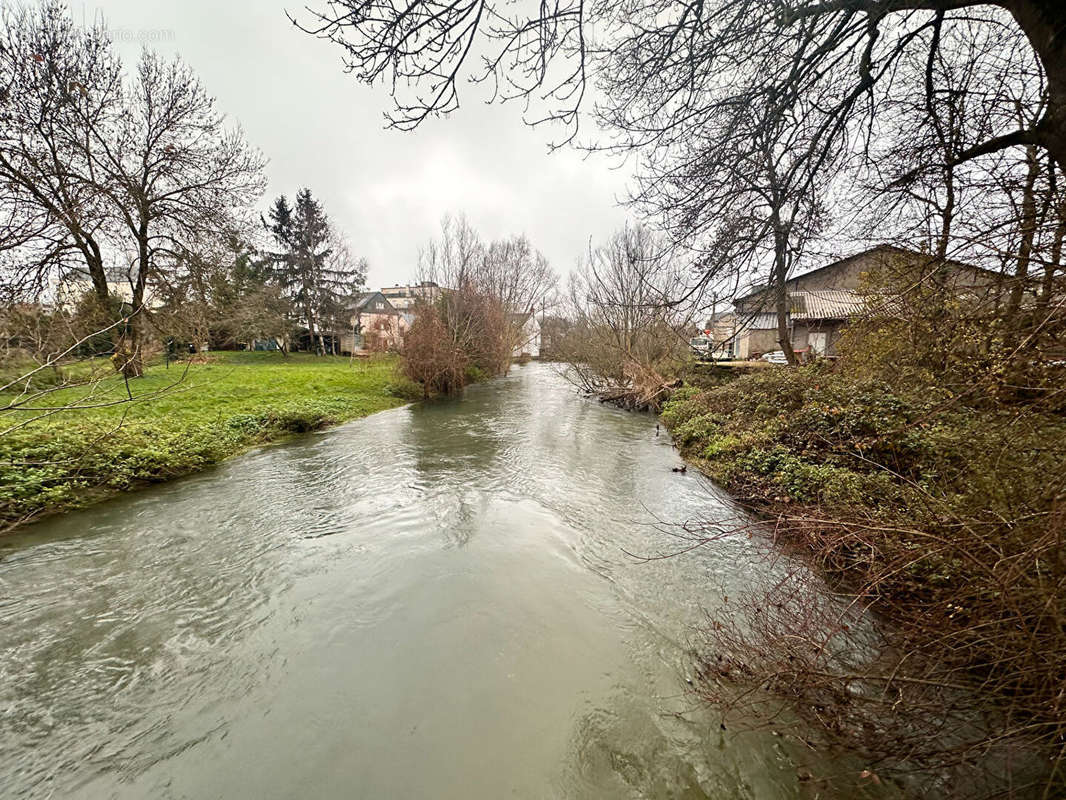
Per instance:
{"type": "Point", "coordinates": [323, 129]}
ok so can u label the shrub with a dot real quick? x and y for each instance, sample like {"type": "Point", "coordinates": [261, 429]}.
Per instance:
{"type": "Point", "coordinates": [475, 374]}
{"type": "Point", "coordinates": [404, 388]}
{"type": "Point", "coordinates": [945, 517]}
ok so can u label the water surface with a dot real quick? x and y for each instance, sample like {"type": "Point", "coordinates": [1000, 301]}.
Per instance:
{"type": "Point", "coordinates": [435, 601]}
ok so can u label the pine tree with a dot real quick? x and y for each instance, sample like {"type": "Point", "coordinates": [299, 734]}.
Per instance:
{"type": "Point", "coordinates": [312, 266]}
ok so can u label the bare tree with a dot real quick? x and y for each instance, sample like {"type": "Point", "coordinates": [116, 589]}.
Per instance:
{"type": "Point", "coordinates": [517, 274]}
{"type": "Point", "coordinates": [454, 258]}
{"type": "Point", "coordinates": [625, 337]}
{"type": "Point", "coordinates": [58, 80]}
{"type": "Point", "coordinates": [131, 171]}
{"type": "Point", "coordinates": [674, 51]}
{"type": "Point", "coordinates": [492, 290]}
{"type": "Point", "coordinates": [179, 173]}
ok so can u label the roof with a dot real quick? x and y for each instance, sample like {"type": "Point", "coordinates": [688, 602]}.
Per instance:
{"type": "Point", "coordinates": [839, 304]}
{"type": "Point", "coordinates": [409, 290]}
{"type": "Point", "coordinates": [881, 248]}
{"type": "Point", "coordinates": [361, 302]}
{"type": "Point", "coordinates": [825, 304]}
{"type": "Point", "coordinates": [758, 322]}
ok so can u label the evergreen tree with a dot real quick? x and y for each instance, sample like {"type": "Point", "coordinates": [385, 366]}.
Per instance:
{"type": "Point", "coordinates": [313, 267]}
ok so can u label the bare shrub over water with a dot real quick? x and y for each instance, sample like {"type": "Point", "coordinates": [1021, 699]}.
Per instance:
{"type": "Point", "coordinates": [626, 341]}
{"type": "Point", "coordinates": [477, 323]}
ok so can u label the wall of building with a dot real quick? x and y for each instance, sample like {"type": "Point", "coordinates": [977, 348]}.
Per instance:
{"type": "Point", "coordinates": [802, 330]}
{"type": "Point", "coordinates": [388, 327]}
{"type": "Point", "coordinates": [756, 342]}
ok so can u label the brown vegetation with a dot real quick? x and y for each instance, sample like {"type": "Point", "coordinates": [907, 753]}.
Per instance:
{"type": "Point", "coordinates": [431, 357]}
{"type": "Point", "coordinates": [474, 328]}
{"type": "Point", "coordinates": [924, 476]}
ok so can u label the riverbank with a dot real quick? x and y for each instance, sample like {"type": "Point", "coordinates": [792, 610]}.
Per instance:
{"type": "Point", "coordinates": [940, 511]}
{"type": "Point", "coordinates": [181, 419]}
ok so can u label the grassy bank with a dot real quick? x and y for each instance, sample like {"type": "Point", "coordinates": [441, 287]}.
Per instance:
{"type": "Point", "coordinates": [179, 422]}
{"type": "Point", "coordinates": [941, 512]}
{"type": "Point", "coordinates": [861, 447]}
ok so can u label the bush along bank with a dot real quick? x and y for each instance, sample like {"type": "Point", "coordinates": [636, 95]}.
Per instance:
{"type": "Point", "coordinates": [946, 519]}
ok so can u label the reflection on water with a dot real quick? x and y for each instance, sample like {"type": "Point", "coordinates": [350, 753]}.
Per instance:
{"type": "Point", "coordinates": [431, 602]}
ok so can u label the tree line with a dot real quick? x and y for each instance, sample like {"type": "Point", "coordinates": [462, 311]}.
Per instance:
{"type": "Point", "coordinates": [493, 295]}
{"type": "Point", "coordinates": [129, 208]}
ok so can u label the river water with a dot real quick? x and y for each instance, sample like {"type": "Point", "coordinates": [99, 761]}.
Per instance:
{"type": "Point", "coordinates": [435, 601]}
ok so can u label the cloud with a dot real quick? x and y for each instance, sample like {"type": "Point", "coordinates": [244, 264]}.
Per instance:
{"type": "Point", "coordinates": [387, 189]}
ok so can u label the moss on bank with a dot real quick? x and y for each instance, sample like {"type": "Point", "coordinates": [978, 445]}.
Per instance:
{"type": "Point", "coordinates": [178, 423]}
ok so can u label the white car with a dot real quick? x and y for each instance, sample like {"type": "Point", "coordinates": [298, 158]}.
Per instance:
{"type": "Point", "coordinates": [776, 357]}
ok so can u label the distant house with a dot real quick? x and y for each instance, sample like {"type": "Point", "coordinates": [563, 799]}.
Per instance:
{"type": "Point", "coordinates": [528, 335]}
{"type": "Point", "coordinates": [72, 287]}
{"type": "Point", "coordinates": [720, 328]}
{"type": "Point", "coordinates": [376, 324]}
{"type": "Point", "coordinates": [822, 301]}
{"type": "Point", "coordinates": [405, 298]}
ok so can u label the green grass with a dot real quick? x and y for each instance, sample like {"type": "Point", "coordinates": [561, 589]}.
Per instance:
{"type": "Point", "coordinates": [181, 420]}
{"type": "Point", "coordinates": [854, 446]}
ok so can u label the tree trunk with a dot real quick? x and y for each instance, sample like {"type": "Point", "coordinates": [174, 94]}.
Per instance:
{"type": "Point", "coordinates": [310, 327]}
{"type": "Point", "coordinates": [1044, 22]}
{"type": "Point", "coordinates": [784, 336]}
{"type": "Point", "coordinates": [130, 352]}
{"type": "Point", "coordinates": [1047, 285]}
{"type": "Point", "coordinates": [95, 263]}
{"type": "Point", "coordinates": [1025, 247]}
{"type": "Point", "coordinates": [781, 299]}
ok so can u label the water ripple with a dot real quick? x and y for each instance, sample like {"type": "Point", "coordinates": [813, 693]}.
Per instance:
{"type": "Point", "coordinates": [433, 601]}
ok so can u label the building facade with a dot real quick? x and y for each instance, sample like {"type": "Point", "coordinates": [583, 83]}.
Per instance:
{"type": "Point", "coordinates": [405, 298]}
{"type": "Point", "coordinates": [822, 301]}
{"type": "Point", "coordinates": [376, 325]}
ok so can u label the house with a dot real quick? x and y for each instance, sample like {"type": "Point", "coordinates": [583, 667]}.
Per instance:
{"type": "Point", "coordinates": [821, 302]}
{"type": "Point", "coordinates": [376, 324]}
{"type": "Point", "coordinates": [528, 327]}
{"type": "Point", "coordinates": [72, 288]}
{"type": "Point", "coordinates": [815, 319]}
{"type": "Point", "coordinates": [720, 330]}
{"type": "Point", "coordinates": [405, 298]}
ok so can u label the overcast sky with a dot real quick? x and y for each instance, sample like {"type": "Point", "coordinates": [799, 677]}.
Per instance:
{"type": "Point", "coordinates": [322, 129]}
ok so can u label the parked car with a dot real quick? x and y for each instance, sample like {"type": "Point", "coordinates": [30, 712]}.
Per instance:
{"type": "Point", "coordinates": [775, 357]}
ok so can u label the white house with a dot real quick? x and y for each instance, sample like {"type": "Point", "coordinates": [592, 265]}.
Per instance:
{"type": "Point", "coordinates": [528, 336]}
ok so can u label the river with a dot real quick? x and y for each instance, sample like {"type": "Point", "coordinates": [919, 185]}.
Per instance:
{"type": "Point", "coordinates": [434, 601]}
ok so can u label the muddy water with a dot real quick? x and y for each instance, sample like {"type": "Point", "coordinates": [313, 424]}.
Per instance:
{"type": "Point", "coordinates": [435, 601]}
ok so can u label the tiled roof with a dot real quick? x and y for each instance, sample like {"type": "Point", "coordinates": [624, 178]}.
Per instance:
{"type": "Point", "coordinates": [758, 322]}
{"type": "Point", "coordinates": [361, 302]}
{"type": "Point", "coordinates": [825, 304]}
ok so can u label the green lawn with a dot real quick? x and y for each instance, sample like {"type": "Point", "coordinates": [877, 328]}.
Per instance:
{"type": "Point", "coordinates": [181, 420]}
